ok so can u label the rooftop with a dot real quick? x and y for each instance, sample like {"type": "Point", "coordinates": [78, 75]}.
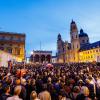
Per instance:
{"type": "Point", "coordinates": [11, 33]}
{"type": "Point", "coordinates": [90, 46]}
{"type": "Point", "coordinates": [42, 51]}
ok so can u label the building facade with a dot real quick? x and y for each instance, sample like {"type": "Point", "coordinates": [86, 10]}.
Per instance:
{"type": "Point", "coordinates": [90, 53]}
{"type": "Point", "coordinates": [13, 43]}
{"type": "Point", "coordinates": [73, 51]}
{"type": "Point", "coordinates": [54, 59]}
{"type": "Point", "coordinates": [6, 57]}
{"type": "Point", "coordinates": [40, 56]}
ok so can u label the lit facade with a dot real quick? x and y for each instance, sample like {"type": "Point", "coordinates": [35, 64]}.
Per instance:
{"type": "Point", "coordinates": [13, 43]}
{"type": "Point", "coordinates": [79, 49]}
{"type": "Point", "coordinates": [91, 53]}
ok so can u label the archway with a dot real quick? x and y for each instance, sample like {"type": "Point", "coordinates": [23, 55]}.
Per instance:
{"type": "Point", "coordinates": [36, 58]}
{"type": "Point", "coordinates": [42, 58]}
{"type": "Point", "coordinates": [31, 58]}
{"type": "Point", "coordinates": [48, 58]}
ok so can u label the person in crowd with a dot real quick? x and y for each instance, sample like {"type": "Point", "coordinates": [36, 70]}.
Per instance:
{"type": "Point", "coordinates": [75, 93]}
{"type": "Point", "coordinates": [84, 94]}
{"type": "Point", "coordinates": [1, 90]}
{"type": "Point", "coordinates": [17, 91]}
{"type": "Point", "coordinates": [33, 96]}
{"type": "Point", "coordinates": [90, 86]}
{"type": "Point", "coordinates": [62, 81]}
{"type": "Point", "coordinates": [44, 95]}
{"type": "Point", "coordinates": [23, 89]}
{"type": "Point", "coordinates": [98, 87]}
{"type": "Point", "coordinates": [6, 93]}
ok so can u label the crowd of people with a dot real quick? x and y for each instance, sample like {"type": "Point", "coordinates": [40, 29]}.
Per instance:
{"type": "Point", "coordinates": [60, 82]}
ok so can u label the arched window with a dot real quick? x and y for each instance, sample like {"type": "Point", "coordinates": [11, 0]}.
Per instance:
{"type": "Point", "coordinates": [42, 58]}
{"type": "Point", "coordinates": [17, 51]}
{"type": "Point", "coordinates": [48, 58]}
{"type": "Point", "coordinates": [36, 58]}
{"type": "Point", "coordinates": [31, 58]}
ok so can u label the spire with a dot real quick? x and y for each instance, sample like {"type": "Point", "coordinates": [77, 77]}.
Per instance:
{"type": "Point", "coordinates": [73, 22]}
{"type": "Point", "coordinates": [73, 26]}
{"type": "Point", "coordinates": [59, 36]}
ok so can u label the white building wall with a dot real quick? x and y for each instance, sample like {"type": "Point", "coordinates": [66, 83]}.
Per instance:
{"type": "Point", "coordinates": [5, 57]}
{"type": "Point", "coordinates": [54, 60]}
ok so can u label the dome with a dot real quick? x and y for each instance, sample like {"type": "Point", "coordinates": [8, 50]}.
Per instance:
{"type": "Point", "coordinates": [82, 34]}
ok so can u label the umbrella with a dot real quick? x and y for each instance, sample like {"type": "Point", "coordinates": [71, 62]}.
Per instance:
{"type": "Point", "coordinates": [49, 65]}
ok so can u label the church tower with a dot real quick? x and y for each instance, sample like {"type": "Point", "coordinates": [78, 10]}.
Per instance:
{"type": "Point", "coordinates": [75, 44]}
{"type": "Point", "coordinates": [60, 49]}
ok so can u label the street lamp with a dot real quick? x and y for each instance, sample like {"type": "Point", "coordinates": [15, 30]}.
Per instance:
{"type": "Point", "coordinates": [31, 52]}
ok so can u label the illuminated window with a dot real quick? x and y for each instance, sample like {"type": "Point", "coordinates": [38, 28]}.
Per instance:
{"type": "Point", "coordinates": [93, 50]}
{"type": "Point", "coordinates": [96, 50]}
{"type": "Point", "coordinates": [17, 50]}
